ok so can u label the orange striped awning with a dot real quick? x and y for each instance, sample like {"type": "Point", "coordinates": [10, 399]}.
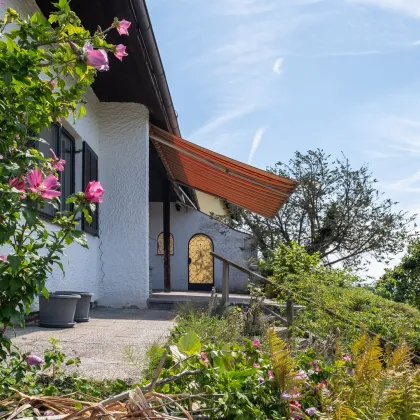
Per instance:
{"type": "Point", "coordinates": [193, 166]}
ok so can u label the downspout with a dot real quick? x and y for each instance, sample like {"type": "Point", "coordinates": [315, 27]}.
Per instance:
{"type": "Point", "coordinates": [146, 31]}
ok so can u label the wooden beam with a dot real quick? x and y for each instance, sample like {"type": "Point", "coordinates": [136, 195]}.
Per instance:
{"type": "Point", "coordinates": [225, 284]}
{"type": "Point", "coordinates": [243, 269]}
{"type": "Point", "coordinates": [166, 235]}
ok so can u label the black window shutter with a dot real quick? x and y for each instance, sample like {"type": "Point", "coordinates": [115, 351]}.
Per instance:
{"type": "Point", "coordinates": [90, 173]}
{"type": "Point", "coordinates": [52, 137]}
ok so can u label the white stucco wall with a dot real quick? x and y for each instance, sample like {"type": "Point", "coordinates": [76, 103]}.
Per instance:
{"type": "Point", "coordinates": [124, 172]}
{"type": "Point", "coordinates": [236, 246]}
{"type": "Point", "coordinates": [115, 267]}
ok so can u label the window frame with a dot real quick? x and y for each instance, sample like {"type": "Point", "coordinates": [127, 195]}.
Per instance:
{"type": "Point", "coordinates": [59, 130]}
{"type": "Point", "coordinates": [171, 242]}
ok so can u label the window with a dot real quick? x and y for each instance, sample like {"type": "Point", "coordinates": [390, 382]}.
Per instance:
{"type": "Point", "coordinates": [160, 246]}
{"type": "Point", "coordinates": [90, 173]}
{"type": "Point", "coordinates": [62, 143]}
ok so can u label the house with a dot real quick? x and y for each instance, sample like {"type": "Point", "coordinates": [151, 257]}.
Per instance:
{"type": "Point", "coordinates": [149, 233]}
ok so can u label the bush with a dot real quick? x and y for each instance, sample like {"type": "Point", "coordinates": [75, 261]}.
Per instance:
{"type": "Point", "coordinates": [243, 380]}
{"type": "Point", "coordinates": [337, 290]}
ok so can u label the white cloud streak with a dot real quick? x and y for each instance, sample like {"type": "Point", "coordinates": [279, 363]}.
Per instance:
{"type": "Point", "coordinates": [409, 7]}
{"type": "Point", "coordinates": [278, 65]}
{"type": "Point", "coordinates": [408, 184]}
{"type": "Point", "coordinates": [237, 65]}
{"type": "Point", "coordinates": [256, 141]}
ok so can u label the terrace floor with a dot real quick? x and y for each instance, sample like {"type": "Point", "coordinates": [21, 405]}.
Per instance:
{"type": "Point", "coordinates": [101, 342]}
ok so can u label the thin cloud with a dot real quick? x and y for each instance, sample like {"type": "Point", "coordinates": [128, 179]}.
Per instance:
{"type": "Point", "coordinates": [408, 184]}
{"type": "Point", "coordinates": [348, 53]}
{"type": "Point", "coordinates": [219, 121]}
{"type": "Point", "coordinates": [409, 7]}
{"type": "Point", "coordinates": [278, 65]}
{"type": "Point", "coordinates": [234, 66]}
{"type": "Point", "coordinates": [256, 141]}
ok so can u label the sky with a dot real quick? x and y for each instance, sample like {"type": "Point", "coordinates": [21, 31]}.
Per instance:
{"type": "Point", "coordinates": [258, 80]}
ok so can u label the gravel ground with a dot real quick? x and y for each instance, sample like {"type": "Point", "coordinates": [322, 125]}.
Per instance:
{"type": "Point", "coordinates": [100, 343]}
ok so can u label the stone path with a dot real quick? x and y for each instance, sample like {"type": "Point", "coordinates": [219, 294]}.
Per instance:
{"type": "Point", "coordinates": [100, 343]}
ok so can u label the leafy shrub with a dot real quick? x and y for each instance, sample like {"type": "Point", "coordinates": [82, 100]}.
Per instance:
{"type": "Point", "coordinates": [234, 381]}
{"type": "Point", "coordinates": [337, 290]}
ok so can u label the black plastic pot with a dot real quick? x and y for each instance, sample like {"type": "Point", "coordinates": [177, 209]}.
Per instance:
{"type": "Point", "coordinates": [83, 304]}
{"type": "Point", "coordinates": [58, 310]}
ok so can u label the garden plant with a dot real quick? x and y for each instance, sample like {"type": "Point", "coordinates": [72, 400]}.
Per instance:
{"type": "Point", "coordinates": [46, 66]}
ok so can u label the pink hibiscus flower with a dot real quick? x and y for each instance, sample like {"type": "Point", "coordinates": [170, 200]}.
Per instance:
{"type": "Point", "coordinates": [256, 343]}
{"type": "Point", "coordinates": [96, 58]}
{"type": "Point", "coordinates": [122, 27]}
{"type": "Point", "coordinates": [94, 192]}
{"type": "Point", "coordinates": [57, 163]}
{"type": "Point", "coordinates": [46, 187]}
{"type": "Point", "coordinates": [120, 52]}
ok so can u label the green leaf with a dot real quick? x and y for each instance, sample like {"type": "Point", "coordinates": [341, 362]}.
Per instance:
{"type": "Point", "coordinates": [37, 18]}
{"type": "Point", "coordinates": [80, 238]}
{"type": "Point", "coordinates": [82, 112]}
{"type": "Point", "coordinates": [189, 343]}
{"type": "Point", "coordinates": [68, 240]}
{"type": "Point", "coordinates": [45, 293]}
{"type": "Point", "coordinates": [30, 215]}
{"type": "Point", "coordinates": [87, 215]}
{"type": "Point", "coordinates": [11, 45]}
{"type": "Point", "coordinates": [64, 6]}
{"type": "Point", "coordinates": [52, 19]}
{"type": "Point", "coordinates": [242, 374]}
{"type": "Point", "coordinates": [176, 354]}
{"type": "Point", "coordinates": [15, 261]}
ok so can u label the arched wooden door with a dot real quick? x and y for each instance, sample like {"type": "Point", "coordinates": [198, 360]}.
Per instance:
{"type": "Point", "coordinates": [200, 263]}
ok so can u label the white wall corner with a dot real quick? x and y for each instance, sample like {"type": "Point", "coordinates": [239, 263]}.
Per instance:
{"type": "Point", "coordinates": [124, 225]}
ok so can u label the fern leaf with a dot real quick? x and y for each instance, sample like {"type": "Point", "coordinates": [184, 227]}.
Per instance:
{"type": "Point", "coordinates": [283, 363]}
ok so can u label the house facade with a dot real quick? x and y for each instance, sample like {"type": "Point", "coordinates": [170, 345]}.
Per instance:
{"type": "Point", "coordinates": [144, 201]}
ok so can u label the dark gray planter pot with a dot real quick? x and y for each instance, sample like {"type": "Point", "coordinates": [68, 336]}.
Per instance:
{"type": "Point", "coordinates": [83, 304]}
{"type": "Point", "coordinates": [58, 310]}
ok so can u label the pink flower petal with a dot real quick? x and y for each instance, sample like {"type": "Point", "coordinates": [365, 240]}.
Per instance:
{"type": "Point", "coordinates": [123, 26]}
{"type": "Point", "coordinates": [49, 194]}
{"type": "Point", "coordinates": [34, 178]}
{"type": "Point", "coordinates": [50, 182]}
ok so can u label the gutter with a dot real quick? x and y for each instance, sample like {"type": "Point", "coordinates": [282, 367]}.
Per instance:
{"type": "Point", "coordinates": [157, 71]}
{"type": "Point", "coordinates": [146, 31]}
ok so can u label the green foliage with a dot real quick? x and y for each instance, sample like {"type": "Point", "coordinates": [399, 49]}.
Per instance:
{"type": "Point", "coordinates": [337, 290]}
{"type": "Point", "coordinates": [224, 329]}
{"type": "Point", "coordinates": [402, 283]}
{"type": "Point", "coordinates": [242, 380]}
{"type": "Point", "coordinates": [44, 74]}
{"type": "Point", "coordinates": [335, 211]}
{"type": "Point", "coordinates": [283, 363]}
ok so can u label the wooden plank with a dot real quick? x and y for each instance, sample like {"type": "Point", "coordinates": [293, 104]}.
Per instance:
{"type": "Point", "coordinates": [225, 284]}
{"type": "Point", "coordinates": [167, 236]}
{"type": "Point", "coordinates": [243, 269]}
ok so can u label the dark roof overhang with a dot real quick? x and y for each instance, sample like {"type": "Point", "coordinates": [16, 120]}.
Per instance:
{"type": "Point", "coordinates": [140, 78]}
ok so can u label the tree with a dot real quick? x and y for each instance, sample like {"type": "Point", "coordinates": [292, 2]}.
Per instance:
{"type": "Point", "coordinates": [402, 283]}
{"type": "Point", "coordinates": [46, 66]}
{"type": "Point", "coordinates": [335, 211]}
